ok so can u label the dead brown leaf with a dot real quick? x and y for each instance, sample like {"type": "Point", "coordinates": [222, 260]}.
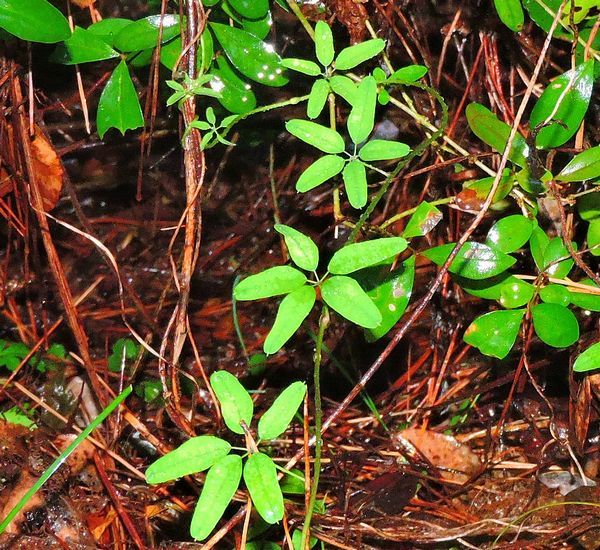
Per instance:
{"type": "Point", "coordinates": [48, 169]}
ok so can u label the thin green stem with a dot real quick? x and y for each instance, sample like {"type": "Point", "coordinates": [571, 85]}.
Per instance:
{"type": "Point", "coordinates": [298, 13]}
{"type": "Point", "coordinates": [323, 323]}
{"type": "Point", "coordinates": [411, 211]}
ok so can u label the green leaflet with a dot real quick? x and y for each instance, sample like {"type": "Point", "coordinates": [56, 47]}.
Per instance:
{"type": "Point", "coordinates": [303, 66]}
{"type": "Point", "coordinates": [510, 233]}
{"type": "Point", "coordinates": [588, 360]}
{"type": "Point", "coordinates": [82, 47]}
{"type": "Point", "coordinates": [510, 13]}
{"type": "Point", "coordinates": [143, 33]}
{"type": "Point", "coordinates": [352, 56]}
{"type": "Point", "coordinates": [278, 416]}
{"type": "Point", "coordinates": [323, 138]}
{"type": "Point", "coordinates": [317, 98]}
{"type": "Point", "coordinates": [495, 333]}
{"type": "Point", "coordinates": [408, 74]}
{"type": "Point", "coordinates": [355, 183]}
{"type": "Point", "coordinates": [425, 218]}
{"type": "Point", "coordinates": [555, 325]}
{"type": "Point", "coordinates": [252, 9]}
{"type": "Point", "coordinates": [302, 249]}
{"type": "Point", "coordinates": [344, 295]}
{"type": "Point", "coordinates": [107, 29]}
{"type": "Point", "coordinates": [274, 281]}
{"type": "Point", "coordinates": [362, 116]}
{"type": "Point", "coordinates": [33, 20]}
{"type": "Point", "coordinates": [324, 43]}
{"type": "Point", "coordinates": [584, 166]}
{"type": "Point", "coordinates": [585, 300]}
{"type": "Point", "coordinates": [381, 149]}
{"type": "Point", "coordinates": [261, 481]}
{"type": "Point", "coordinates": [357, 256]}
{"type": "Point", "coordinates": [236, 404]}
{"type": "Point", "coordinates": [556, 294]}
{"type": "Point", "coordinates": [319, 172]}
{"type": "Point", "coordinates": [554, 251]}
{"type": "Point", "coordinates": [516, 293]}
{"type": "Point", "coordinates": [344, 87]}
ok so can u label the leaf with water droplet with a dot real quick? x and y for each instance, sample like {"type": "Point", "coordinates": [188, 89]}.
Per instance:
{"type": "Point", "coordinates": [495, 333]}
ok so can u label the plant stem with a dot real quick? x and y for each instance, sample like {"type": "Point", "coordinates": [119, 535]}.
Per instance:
{"type": "Point", "coordinates": [323, 323]}
{"type": "Point", "coordinates": [298, 13]}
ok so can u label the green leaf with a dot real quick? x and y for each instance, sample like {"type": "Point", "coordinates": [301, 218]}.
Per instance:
{"type": "Point", "coordinates": [588, 206]}
{"type": "Point", "coordinates": [260, 27]}
{"type": "Point", "coordinates": [495, 333]}
{"type": "Point", "coordinates": [584, 166]}
{"type": "Point", "coordinates": [33, 20]}
{"type": "Point", "coordinates": [279, 415]}
{"type": "Point", "coordinates": [488, 289]}
{"type": "Point", "coordinates": [510, 13]}
{"type": "Point", "coordinates": [344, 295]}
{"type": "Point", "coordinates": [586, 300]}
{"type": "Point", "coordinates": [222, 481]}
{"type": "Point", "coordinates": [352, 56]}
{"type": "Point", "coordinates": [293, 484]}
{"type": "Point", "coordinates": [107, 29]}
{"type": "Point", "coordinates": [143, 33]}
{"type": "Point", "coordinates": [119, 106]}
{"type": "Point", "coordinates": [489, 129]}
{"type": "Point", "coordinates": [382, 149]}
{"type": "Point", "coordinates": [323, 138]}
{"type": "Point", "coordinates": [294, 308]}
{"type": "Point", "coordinates": [250, 55]}
{"type": "Point", "coordinates": [555, 325]}
{"type": "Point", "coordinates": [319, 172]}
{"type": "Point", "coordinates": [123, 349]}
{"type": "Point", "coordinates": [473, 261]}
{"type": "Point", "coordinates": [555, 294]}
{"type": "Point", "coordinates": [236, 403]}
{"type": "Point", "coordinates": [344, 87]}
{"type": "Point", "coordinates": [355, 183]}
{"type": "Point", "coordinates": [353, 257]}
{"type": "Point", "coordinates": [236, 95]}
{"type": "Point", "coordinates": [195, 455]}
{"type": "Point", "coordinates": [260, 476]}
{"type": "Point", "coordinates": [571, 92]}
{"type": "Point", "coordinates": [553, 252]}
{"type": "Point", "coordinates": [390, 293]}
{"type": "Point", "coordinates": [538, 243]}
{"type": "Point", "coordinates": [317, 98]}
{"type": "Point", "coordinates": [82, 47]}
{"type": "Point", "coordinates": [18, 416]}
{"type": "Point", "coordinates": [510, 233]}
{"type": "Point", "coordinates": [408, 74]}
{"type": "Point", "coordinates": [171, 51]}
{"type": "Point", "coordinates": [362, 116]}
{"type": "Point", "coordinates": [297, 540]}
{"type": "Point", "coordinates": [252, 9]}
{"type": "Point", "coordinates": [274, 281]}
{"type": "Point", "coordinates": [324, 43]}
{"type": "Point", "coordinates": [588, 360]}
{"type": "Point", "coordinates": [516, 293]}
{"type": "Point", "coordinates": [424, 219]}
{"type": "Point", "coordinates": [302, 249]}
{"type": "Point", "coordinates": [303, 66]}
{"type": "Point", "coordinates": [543, 13]}
{"type": "Point", "coordinates": [593, 237]}
{"type": "Point", "coordinates": [475, 192]}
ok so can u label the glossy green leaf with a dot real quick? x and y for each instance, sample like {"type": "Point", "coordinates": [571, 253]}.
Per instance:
{"type": "Point", "coordinates": [274, 281]}
{"type": "Point", "coordinates": [555, 294]}
{"type": "Point", "coordinates": [510, 233]}
{"type": "Point", "coordinates": [382, 149]}
{"type": "Point", "coordinates": [143, 33]}
{"type": "Point", "coordinates": [297, 540]}
{"type": "Point", "coordinates": [354, 55]}
{"type": "Point", "coordinates": [82, 47]}
{"type": "Point", "coordinates": [475, 192]}
{"type": "Point", "coordinates": [171, 51]}
{"type": "Point", "coordinates": [279, 415]}
{"type": "Point", "coordinates": [251, 56]}
{"type": "Point", "coordinates": [324, 43]}
{"type": "Point", "coordinates": [323, 138]}
{"type": "Point", "coordinates": [317, 98]}
{"type": "Point", "coordinates": [510, 13]}
{"type": "Point", "coordinates": [319, 172]}
{"type": "Point", "coordinates": [344, 295]}
{"type": "Point", "coordinates": [390, 292]}
{"type": "Point", "coordinates": [593, 237]}
{"type": "Point", "coordinates": [261, 480]}
{"type": "Point", "coordinates": [588, 360]}
{"type": "Point", "coordinates": [537, 245]}
{"type": "Point", "coordinates": [355, 256]}
{"type": "Point", "coordinates": [424, 219]}
{"type": "Point", "coordinates": [584, 166]}
{"type": "Point", "coordinates": [588, 206]}
{"type": "Point", "coordinates": [119, 106]}
{"type": "Point", "coordinates": [488, 289]}
{"type": "Point", "coordinates": [107, 29]}
{"type": "Point", "coordinates": [303, 66]}
{"type": "Point", "coordinates": [302, 249]}
{"type": "Point", "coordinates": [473, 261]}
{"type": "Point", "coordinates": [408, 74]}
{"type": "Point", "coordinates": [555, 325]}
{"type": "Point", "coordinates": [293, 484]}
{"type": "Point", "coordinates": [495, 333]}
{"type": "Point", "coordinates": [565, 101]}
{"type": "Point", "coordinates": [260, 27]}
{"type": "Point", "coordinates": [252, 9]}
{"type": "Point", "coordinates": [236, 95]}
{"type": "Point", "coordinates": [222, 481]}
{"type": "Point", "coordinates": [236, 403]}
{"type": "Point", "coordinates": [33, 20]}
{"type": "Point", "coordinates": [355, 183]}
{"type": "Point", "coordinates": [362, 116]}
{"type": "Point", "coordinates": [489, 129]}
{"type": "Point", "coordinates": [585, 300]}
{"type": "Point", "coordinates": [195, 455]}
{"type": "Point", "coordinates": [344, 87]}
{"type": "Point", "coordinates": [140, 59]}
{"type": "Point", "coordinates": [516, 293]}
{"type": "Point", "coordinates": [294, 308]}
{"type": "Point", "coordinates": [553, 252]}
{"type": "Point", "coordinates": [543, 15]}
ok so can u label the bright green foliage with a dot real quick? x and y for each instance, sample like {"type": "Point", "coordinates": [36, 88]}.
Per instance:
{"type": "Point", "coordinates": [584, 300]}
{"type": "Point", "coordinates": [302, 249]}
{"type": "Point", "coordinates": [271, 282]}
{"type": "Point", "coordinates": [252, 9]}
{"type": "Point", "coordinates": [319, 172]}
{"type": "Point", "coordinates": [516, 293]}
{"type": "Point", "coordinates": [108, 29]}
{"type": "Point", "coordinates": [303, 66]}
{"type": "Point", "coordinates": [538, 243]}
{"type": "Point", "coordinates": [123, 351]}
{"type": "Point", "coordinates": [489, 289]}
{"type": "Point", "coordinates": [555, 325]}
{"type": "Point", "coordinates": [236, 404]}
{"type": "Point", "coordinates": [407, 75]}
{"type": "Point", "coordinates": [279, 415]}
{"type": "Point", "coordinates": [555, 251]}
{"type": "Point", "coordinates": [425, 218]}
{"type": "Point", "coordinates": [260, 476]}
{"type": "Point", "coordinates": [354, 55]}
{"type": "Point", "coordinates": [381, 149]}
{"type": "Point", "coordinates": [144, 33]}
{"type": "Point", "coordinates": [34, 20]}
{"type": "Point", "coordinates": [83, 46]}
{"type": "Point", "coordinates": [357, 256]}
{"type": "Point", "coordinates": [584, 166]}
{"type": "Point", "coordinates": [362, 115]}
{"type": "Point", "coordinates": [344, 87]}
{"type": "Point", "coordinates": [510, 13]}
{"type": "Point", "coordinates": [555, 294]}
{"type": "Point", "coordinates": [510, 233]}
{"type": "Point", "coordinates": [482, 187]}
{"type": "Point", "coordinates": [323, 138]}
{"type": "Point", "coordinates": [149, 390]}
{"type": "Point", "coordinates": [324, 48]}
{"type": "Point", "coordinates": [355, 183]}
{"type": "Point", "coordinates": [12, 353]}
{"type": "Point", "coordinates": [190, 88]}
{"type": "Point", "coordinates": [495, 333]}
{"type": "Point", "coordinates": [317, 98]}
{"type": "Point", "coordinates": [344, 295]}
{"type": "Point", "coordinates": [588, 360]}
{"type": "Point", "coordinates": [19, 416]}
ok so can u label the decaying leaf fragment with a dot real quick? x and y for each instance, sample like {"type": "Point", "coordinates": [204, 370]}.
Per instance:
{"type": "Point", "coordinates": [49, 171]}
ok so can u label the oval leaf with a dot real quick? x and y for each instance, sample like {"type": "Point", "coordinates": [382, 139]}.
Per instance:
{"type": "Point", "coordinates": [143, 33]}
{"type": "Point", "coordinates": [195, 455]}
{"type": "Point", "coordinates": [571, 92]}
{"type": "Point", "coordinates": [510, 233]}
{"type": "Point", "coordinates": [303, 66]}
{"type": "Point", "coordinates": [362, 115]}
{"type": "Point", "coordinates": [274, 281]}
{"type": "Point", "coordinates": [302, 249]}
{"type": "Point", "coordinates": [555, 325]}
{"type": "Point", "coordinates": [236, 403]}
{"type": "Point", "coordinates": [355, 183]}
{"type": "Point", "coordinates": [344, 87]}
{"type": "Point", "coordinates": [293, 309]}
{"type": "Point", "coordinates": [279, 415]}
{"type": "Point", "coordinates": [516, 293]}
{"type": "Point", "coordinates": [319, 172]}
{"type": "Point", "coordinates": [489, 289]}
{"type": "Point", "coordinates": [495, 333]}
{"type": "Point", "coordinates": [252, 9]}
{"type": "Point", "coordinates": [344, 295]}
{"type": "Point", "coordinates": [593, 237]}
{"type": "Point", "coordinates": [221, 483]}
{"type": "Point", "coordinates": [588, 360]}
{"type": "Point", "coordinates": [352, 56]}
{"type": "Point", "coordinates": [554, 251]}
{"type": "Point", "coordinates": [382, 149]}
{"type": "Point", "coordinates": [473, 261]}
{"type": "Point", "coordinates": [317, 98]}
{"type": "Point", "coordinates": [323, 138]}
{"type": "Point", "coordinates": [357, 256]}
{"type": "Point", "coordinates": [425, 218]}
{"type": "Point", "coordinates": [260, 476]}
{"type": "Point", "coordinates": [408, 74]}
{"type": "Point", "coordinates": [107, 29]}
{"type": "Point", "coordinates": [510, 13]}
{"type": "Point", "coordinates": [586, 300]}
{"type": "Point", "coordinates": [82, 47]}
{"type": "Point", "coordinates": [555, 294]}
{"type": "Point", "coordinates": [250, 55]}
{"type": "Point", "coordinates": [324, 43]}
{"type": "Point", "coordinates": [584, 166]}
{"type": "Point", "coordinates": [34, 20]}
{"type": "Point", "coordinates": [119, 106]}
